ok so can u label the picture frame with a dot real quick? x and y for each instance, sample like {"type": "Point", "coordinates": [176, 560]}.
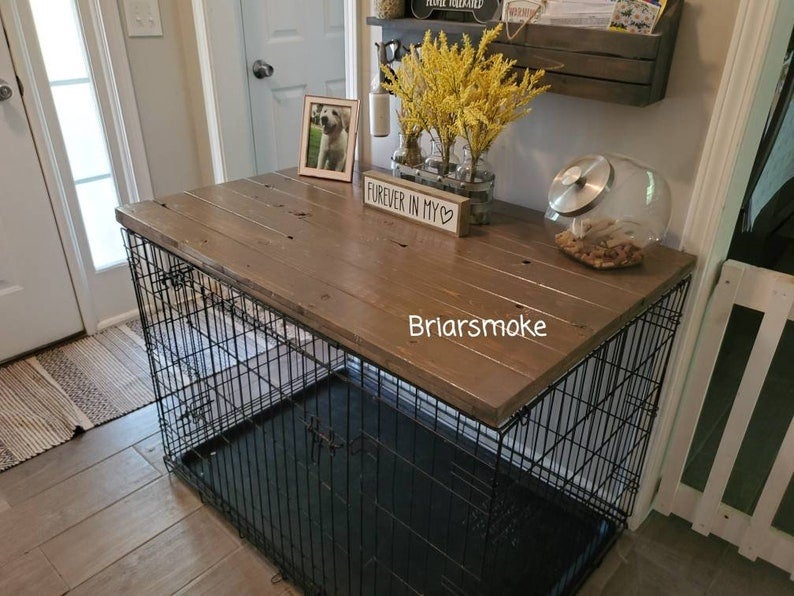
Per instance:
{"type": "Point", "coordinates": [328, 137]}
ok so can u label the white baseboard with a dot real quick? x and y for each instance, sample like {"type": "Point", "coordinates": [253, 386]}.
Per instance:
{"type": "Point", "coordinates": [117, 320]}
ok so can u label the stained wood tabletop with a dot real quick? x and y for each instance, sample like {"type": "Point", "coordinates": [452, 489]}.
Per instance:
{"type": "Point", "coordinates": [309, 248]}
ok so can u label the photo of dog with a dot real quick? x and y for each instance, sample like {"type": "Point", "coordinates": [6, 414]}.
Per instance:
{"type": "Point", "coordinates": [328, 137]}
{"type": "Point", "coordinates": [334, 121]}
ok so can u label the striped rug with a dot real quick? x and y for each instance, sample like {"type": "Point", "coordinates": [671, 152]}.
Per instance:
{"type": "Point", "coordinates": [46, 398]}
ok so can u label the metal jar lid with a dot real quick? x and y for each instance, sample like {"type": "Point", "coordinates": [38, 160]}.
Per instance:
{"type": "Point", "coordinates": [580, 185]}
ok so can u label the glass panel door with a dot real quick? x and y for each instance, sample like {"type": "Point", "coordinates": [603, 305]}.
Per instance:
{"type": "Point", "coordinates": [63, 50]}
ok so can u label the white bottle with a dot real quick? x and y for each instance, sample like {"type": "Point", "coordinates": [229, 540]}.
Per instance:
{"type": "Point", "coordinates": [379, 110]}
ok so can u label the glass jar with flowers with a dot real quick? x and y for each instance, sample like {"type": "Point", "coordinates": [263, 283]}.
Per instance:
{"type": "Point", "coordinates": [423, 93]}
{"type": "Point", "coordinates": [477, 180]}
{"type": "Point", "coordinates": [493, 96]}
{"type": "Point", "coordinates": [459, 90]}
{"type": "Point", "coordinates": [409, 153]}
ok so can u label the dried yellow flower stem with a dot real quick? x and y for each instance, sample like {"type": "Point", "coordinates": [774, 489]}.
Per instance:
{"type": "Point", "coordinates": [457, 90]}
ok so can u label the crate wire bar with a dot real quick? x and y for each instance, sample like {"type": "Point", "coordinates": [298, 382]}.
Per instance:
{"type": "Point", "coordinates": [354, 481]}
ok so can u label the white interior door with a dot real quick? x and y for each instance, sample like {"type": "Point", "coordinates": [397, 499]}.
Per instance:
{"type": "Point", "coordinates": [70, 57]}
{"type": "Point", "coordinates": [302, 41]}
{"type": "Point", "coordinates": [37, 301]}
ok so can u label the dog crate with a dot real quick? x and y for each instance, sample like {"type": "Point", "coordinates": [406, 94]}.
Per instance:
{"type": "Point", "coordinates": [354, 481]}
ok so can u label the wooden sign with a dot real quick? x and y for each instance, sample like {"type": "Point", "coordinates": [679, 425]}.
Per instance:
{"type": "Point", "coordinates": [483, 10]}
{"type": "Point", "coordinates": [521, 11]}
{"type": "Point", "coordinates": [432, 207]}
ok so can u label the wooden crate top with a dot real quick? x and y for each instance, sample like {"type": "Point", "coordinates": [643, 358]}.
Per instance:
{"type": "Point", "coordinates": [309, 248]}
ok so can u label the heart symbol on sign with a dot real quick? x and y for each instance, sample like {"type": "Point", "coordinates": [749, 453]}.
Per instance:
{"type": "Point", "coordinates": [446, 214]}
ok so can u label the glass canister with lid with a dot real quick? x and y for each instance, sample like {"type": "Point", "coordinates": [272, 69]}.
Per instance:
{"type": "Point", "coordinates": [607, 211]}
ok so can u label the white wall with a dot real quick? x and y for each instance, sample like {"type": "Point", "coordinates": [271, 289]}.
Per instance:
{"type": "Point", "coordinates": [168, 93]}
{"type": "Point", "coordinates": [226, 86]}
{"type": "Point", "coordinates": [668, 135]}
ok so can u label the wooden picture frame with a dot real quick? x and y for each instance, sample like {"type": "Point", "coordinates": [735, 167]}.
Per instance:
{"type": "Point", "coordinates": [328, 137]}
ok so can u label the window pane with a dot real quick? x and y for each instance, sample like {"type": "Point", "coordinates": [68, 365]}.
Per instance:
{"type": "Point", "coordinates": [60, 39]}
{"type": "Point", "coordinates": [62, 44]}
{"type": "Point", "coordinates": [82, 130]}
{"type": "Point", "coordinates": [97, 203]}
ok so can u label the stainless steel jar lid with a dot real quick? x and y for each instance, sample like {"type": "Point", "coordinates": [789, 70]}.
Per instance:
{"type": "Point", "coordinates": [580, 185]}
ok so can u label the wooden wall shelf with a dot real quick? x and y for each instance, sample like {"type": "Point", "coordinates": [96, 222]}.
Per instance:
{"type": "Point", "coordinates": [596, 64]}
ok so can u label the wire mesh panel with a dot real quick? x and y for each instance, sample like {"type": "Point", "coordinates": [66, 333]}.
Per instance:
{"type": "Point", "coordinates": [354, 481]}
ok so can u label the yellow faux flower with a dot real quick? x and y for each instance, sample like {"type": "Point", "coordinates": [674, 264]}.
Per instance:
{"type": "Point", "coordinates": [457, 90]}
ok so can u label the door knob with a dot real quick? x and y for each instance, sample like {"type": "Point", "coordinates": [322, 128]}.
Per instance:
{"type": "Point", "coordinates": [262, 69]}
{"type": "Point", "coordinates": [5, 90]}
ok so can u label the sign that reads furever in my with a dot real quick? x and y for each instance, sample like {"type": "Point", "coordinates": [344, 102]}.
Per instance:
{"type": "Point", "coordinates": [435, 208]}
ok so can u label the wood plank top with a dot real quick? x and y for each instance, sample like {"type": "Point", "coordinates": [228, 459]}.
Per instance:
{"type": "Point", "coordinates": [309, 248]}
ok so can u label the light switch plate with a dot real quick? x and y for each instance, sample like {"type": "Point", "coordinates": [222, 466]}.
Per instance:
{"type": "Point", "coordinates": [143, 18]}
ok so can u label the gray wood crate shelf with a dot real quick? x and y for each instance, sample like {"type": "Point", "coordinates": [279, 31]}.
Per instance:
{"type": "Point", "coordinates": [596, 64]}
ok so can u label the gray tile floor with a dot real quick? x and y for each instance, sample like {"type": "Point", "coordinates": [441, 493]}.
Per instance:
{"type": "Point", "coordinates": [665, 556]}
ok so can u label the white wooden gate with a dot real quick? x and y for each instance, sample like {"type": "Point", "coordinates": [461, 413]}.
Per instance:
{"type": "Point", "coordinates": [773, 294]}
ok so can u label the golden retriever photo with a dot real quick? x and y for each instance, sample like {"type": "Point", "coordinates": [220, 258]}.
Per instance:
{"type": "Point", "coordinates": [328, 137]}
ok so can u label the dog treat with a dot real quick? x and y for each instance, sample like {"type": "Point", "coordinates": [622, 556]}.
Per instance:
{"type": "Point", "coordinates": [601, 244]}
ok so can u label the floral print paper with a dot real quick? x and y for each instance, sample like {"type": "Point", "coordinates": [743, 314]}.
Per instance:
{"type": "Point", "coordinates": [634, 16]}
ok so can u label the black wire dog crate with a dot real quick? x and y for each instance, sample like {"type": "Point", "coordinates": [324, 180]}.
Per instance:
{"type": "Point", "coordinates": [353, 481]}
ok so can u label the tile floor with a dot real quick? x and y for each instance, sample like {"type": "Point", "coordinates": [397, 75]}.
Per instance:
{"type": "Point", "coordinates": [99, 515]}
{"type": "Point", "coordinates": [665, 557]}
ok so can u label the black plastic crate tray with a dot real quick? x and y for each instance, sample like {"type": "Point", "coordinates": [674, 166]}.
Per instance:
{"type": "Point", "coordinates": [347, 493]}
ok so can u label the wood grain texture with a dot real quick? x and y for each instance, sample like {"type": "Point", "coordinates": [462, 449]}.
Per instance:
{"type": "Point", "coordinates": [50, 468]}
{"type": "Point", "coordinates": [66, 504]}
{"type": "Point", "coordinates": [242, 572]}
{"type": "Point", "coordinates": [113, 532]}
{"type": "Point", "coordinates": [464, 278]}
{"type": "Point", "coordinates": [31, 574]}
{"type": "Point", "coordinates": [646, 282]}
{"type": "Point", "coordinates": [166, 563]}
{"type": "Point", "coordinates": [434, 363]}
{"type": "Point", "coordinates": [599, 64]}
{"type": "Point", "coordinates": [580, 40]}
{"type": "Point", "coordinates": [151, 448]}
{"type": "Point", "coordinates": [310, 248]}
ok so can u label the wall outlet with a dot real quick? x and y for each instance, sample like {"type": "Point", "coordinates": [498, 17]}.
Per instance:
{"type": "Point", "coordinates": [143, 18]}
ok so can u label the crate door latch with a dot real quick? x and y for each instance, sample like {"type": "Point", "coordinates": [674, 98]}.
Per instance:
{"type": "Point", "coordinates": [330, 439]}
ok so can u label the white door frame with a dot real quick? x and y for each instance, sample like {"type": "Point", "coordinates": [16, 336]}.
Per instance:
{"type": "Point", "coordinates": [117, 99]}
{"type": "Point", "coordinates": [224, 80]}
{"type": "Point", "coordinates": [752, 69]}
